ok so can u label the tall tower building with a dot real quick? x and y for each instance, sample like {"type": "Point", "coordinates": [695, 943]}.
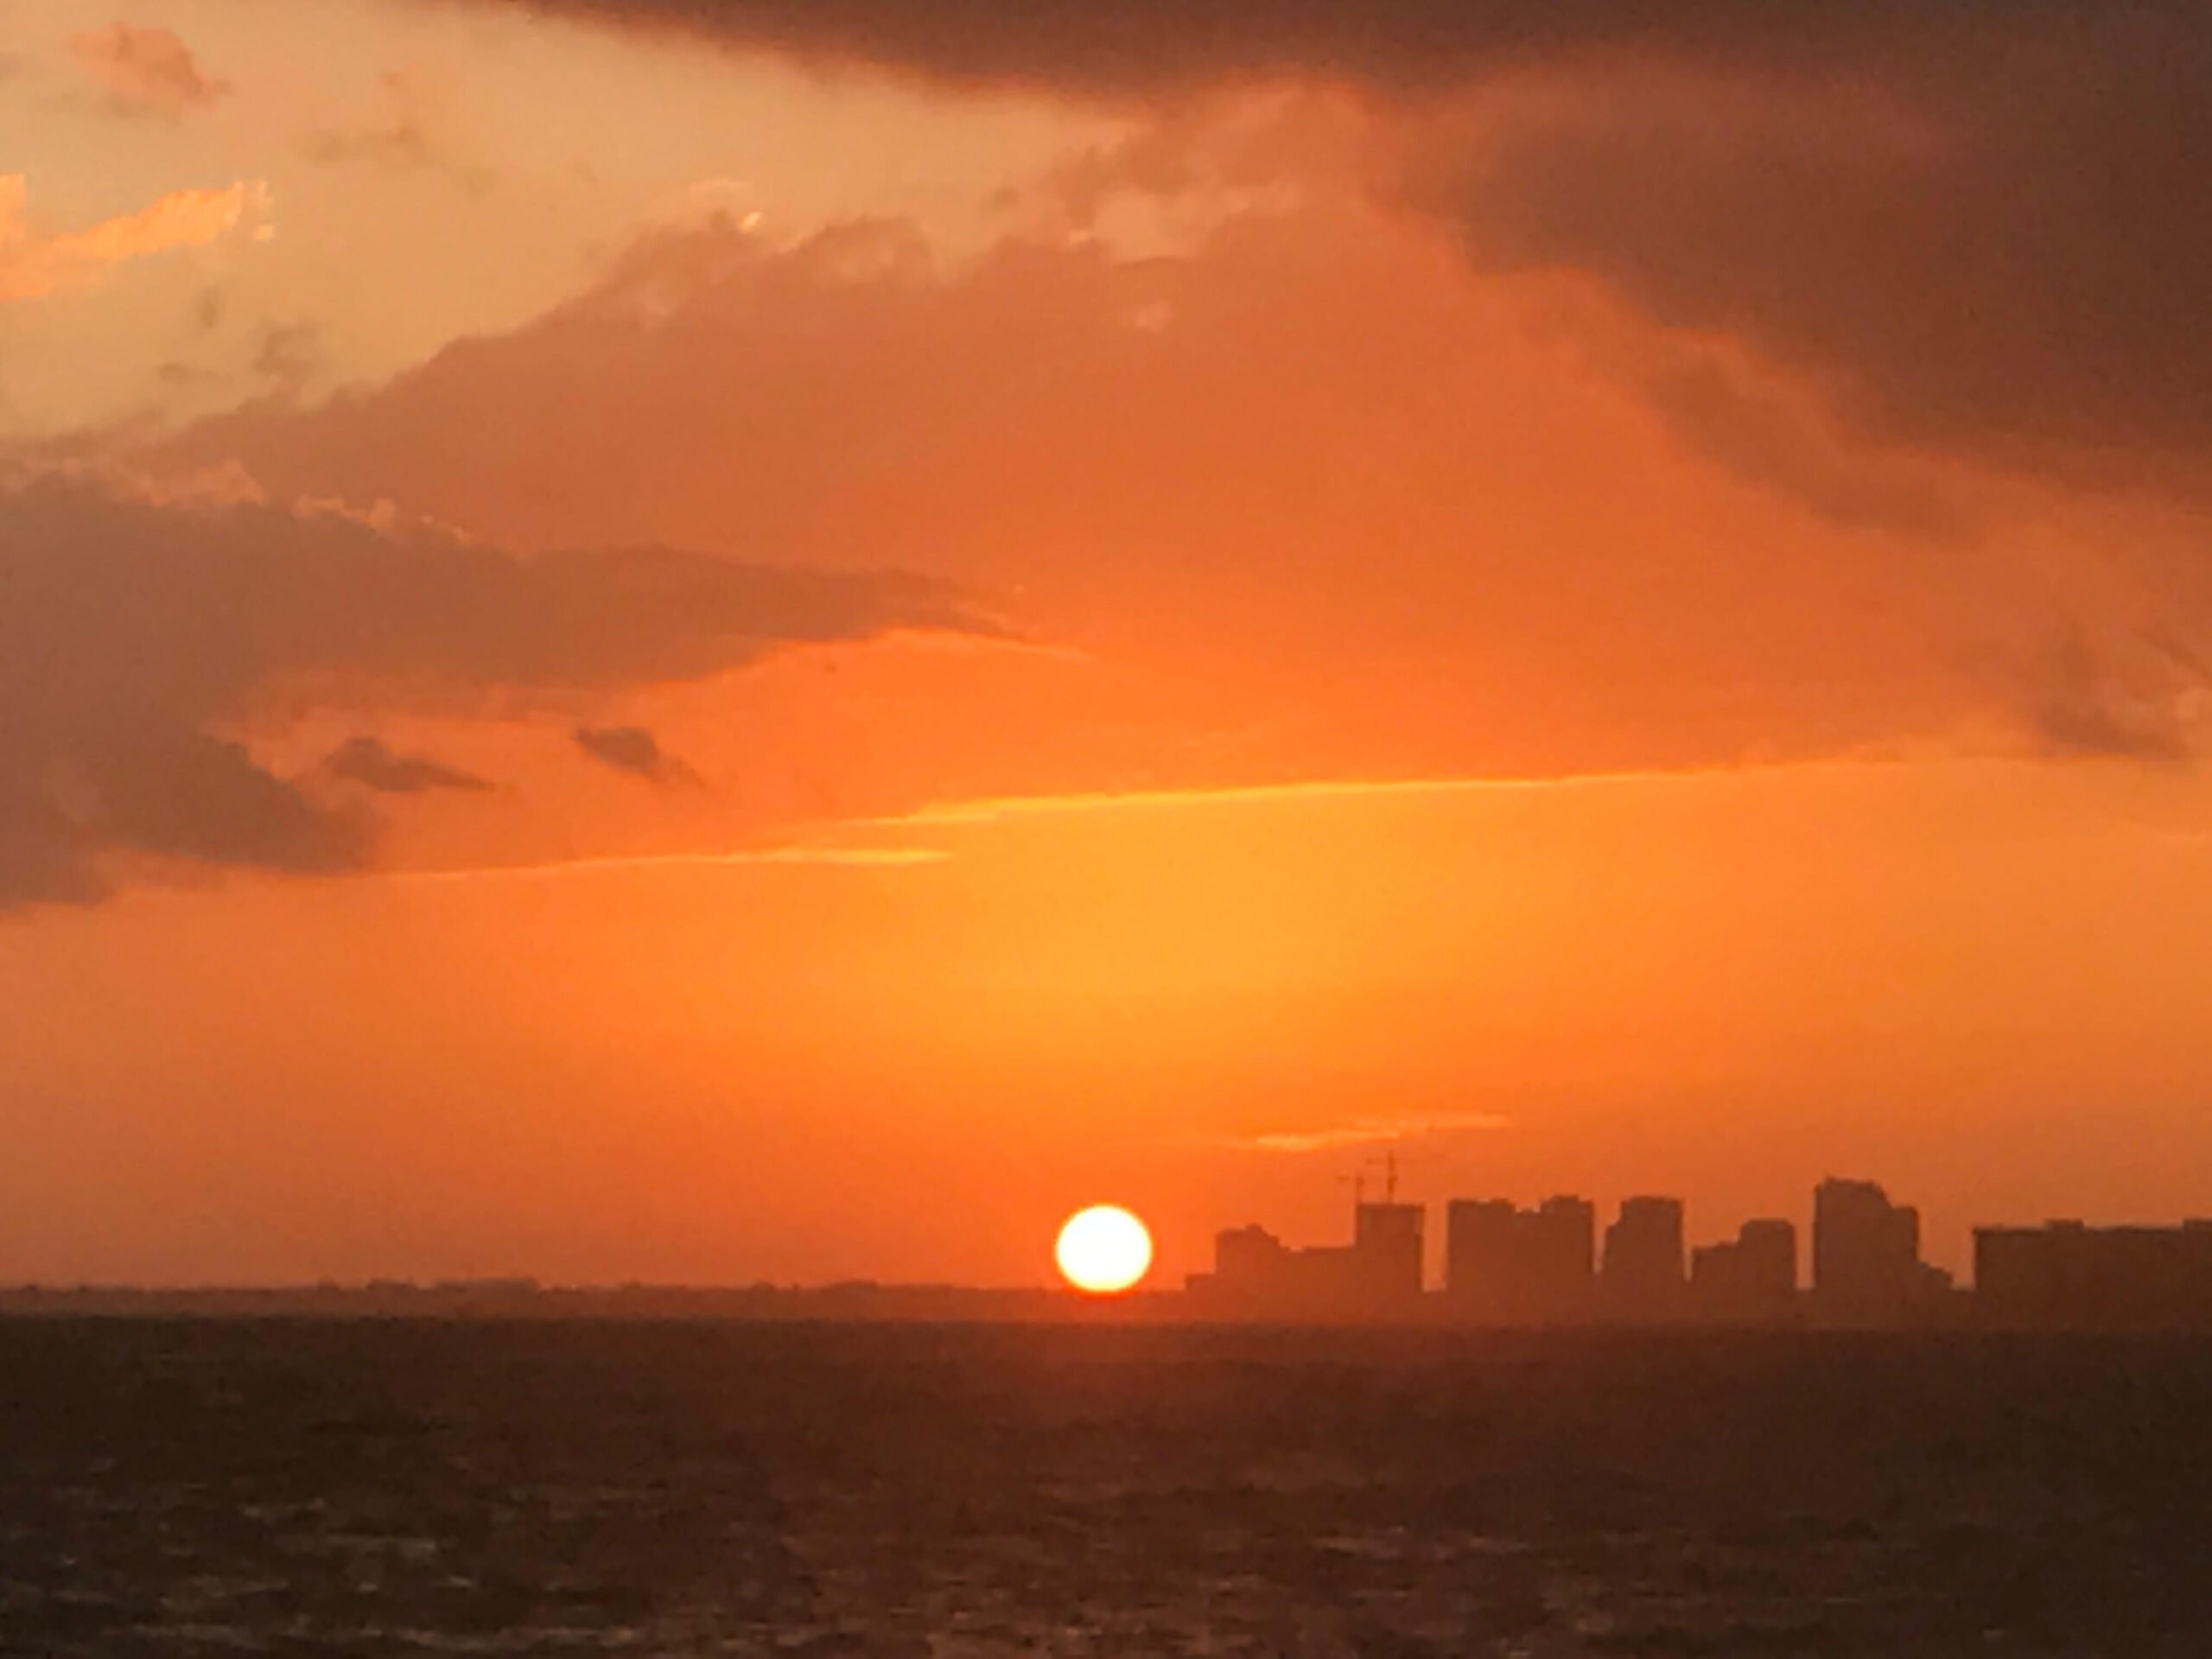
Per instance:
{"type": "Point", "coordinates": [1768, 1251]}
{"type": "Point", "coordinates": [1643, 1255]}
{"type": "Point", "coordinates": [1480, 1250]}
{"type": "Point", "coordinates": [1562, 1246]}
{"type": "Point", "coordinates": [1387, 1244]}
{"type": "Point", "coordinates": [1865, 1249]}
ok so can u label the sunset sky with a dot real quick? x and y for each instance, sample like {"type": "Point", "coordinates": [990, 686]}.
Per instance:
{"type": "Point", "coordinates": [737, 640]}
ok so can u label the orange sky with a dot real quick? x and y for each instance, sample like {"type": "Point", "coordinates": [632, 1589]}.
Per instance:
{"type": "Point", "coordinates": [721, 651]}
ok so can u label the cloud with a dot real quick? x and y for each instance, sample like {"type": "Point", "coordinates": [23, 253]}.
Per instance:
{"type": "Point", "coordinates": [148, 70]}
{"type": "Point", "coordinates": [634, 750]}
{"type": "Point", "coordinates": [142, 631]}
{"type": "Point", "coordinates": [1344, 513]}
{"type": "Point", "coordinates": [1371, 1132]}
{"type": "Point", "coordinates": [1976, 223]}
{"type": "Point", "coordinates": [370, 762]}
{"type": "Point", "coordinates": [407, 135]}
{"type": "Point", "coordinates": [2134, 697]}
{"type": "Point", "coordinates": [1997, 255]}
{"type": "Point", "coordinates": [287, 354]}
{"type": "Point", "coordinates": [793, 856]}
{"type": "Point", "coordinates": [1146, 47]}
{"type": "Point", "coordinates": [1762, 434]}
{"type": "Point", "coordinates": [1012, 808]}
{"type": "Point", "coordinates": [33, 267]}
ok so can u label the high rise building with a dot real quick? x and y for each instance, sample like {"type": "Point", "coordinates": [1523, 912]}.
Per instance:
{"type": "Point", "coordinates": [1768, 1249]}
{"type": "Point", "coordinates": [1504, 1262]}
{"type": "Point", "coordinates": [1865, 1250]}
{"type": "Point", "coordinates": [1387, 1242]}
{"type": "Point", "coordinates": [1644, 1255]}
{"type": "Point", "coordinates": [1481, 1250]}
{"type": "Point", "coordinates": [1562, 1246]}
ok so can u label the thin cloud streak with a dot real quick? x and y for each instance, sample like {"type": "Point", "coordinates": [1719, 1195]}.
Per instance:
{"type": "Point", "coordinates": [801, 857]}
{"type": "Point", "coordinates": [1363, 1132]}
{"type": "Point", "coordinates": [995, 810]}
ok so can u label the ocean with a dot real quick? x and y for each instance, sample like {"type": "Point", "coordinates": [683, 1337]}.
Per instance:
{"type": "Point", "coordinates": [392, 1487]}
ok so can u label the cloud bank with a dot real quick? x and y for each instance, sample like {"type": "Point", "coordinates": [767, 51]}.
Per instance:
{"type": "Point", "coordinates": [140, 632]}
{"type": "Point", "coordinates": [1974, 222]}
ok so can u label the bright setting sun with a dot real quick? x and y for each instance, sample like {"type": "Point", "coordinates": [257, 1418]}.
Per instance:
{"type": "Point", "coordinates": [1103, 1249]}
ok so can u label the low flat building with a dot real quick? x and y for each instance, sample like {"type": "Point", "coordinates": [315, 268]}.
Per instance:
{"type": "Point", "coordinates": [2067, 1276]}
{"type": "Point", "coordinates": [1378, 1274]}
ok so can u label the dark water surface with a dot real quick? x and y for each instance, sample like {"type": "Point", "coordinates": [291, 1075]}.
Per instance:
{"type": "Point", "coordinates": [308, 1488]}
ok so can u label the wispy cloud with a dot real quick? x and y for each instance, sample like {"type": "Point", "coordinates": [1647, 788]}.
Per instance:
{"type": "Point", "coordinates": [374, 765]}
{"type": "Point", "coordinates": [865, 858]}
{"type": "Point", "coordinates": [32, 268]}
{"type": "Point", "coordinates": [997, 809]}
{"type": "Point", "coordinates": [1369, 1132]}
{"type": "Point", "coordinates": [635, 750]}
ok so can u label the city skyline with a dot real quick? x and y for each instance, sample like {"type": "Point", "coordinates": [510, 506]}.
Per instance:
{"type": "Point", "coordinates": [1500, 1266]}
{"type": "Point", "coordinates": [1861, 1266]}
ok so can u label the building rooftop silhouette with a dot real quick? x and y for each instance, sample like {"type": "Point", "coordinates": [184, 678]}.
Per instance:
{"type": "Point", "coordinates": [1377, 1275]}
{"type": "Point", "coordinates": [1752, 1277]}
{"type": "Point", "coordinates": [1534, 1265]}
{"type": "Point", "coordinates": [1642, 1277]}
{"type": "Point", "coordinates": [1866, 1264]}
{"type": "Point", "coordinates": [2065, 1274]}
{"type": "Point", "coordinates": [1504, 1264]}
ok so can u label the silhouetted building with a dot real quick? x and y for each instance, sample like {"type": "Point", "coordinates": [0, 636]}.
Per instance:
{"type": "Point", "coordinates": [1481, 1248]}
{"type": "Point", "coordinates": [1866, 1252]}
{"type": "Point", "coordinates": [1505, 1262]}
{"type": "Point", "coordinates": [1563, 1245]}
{"type": "Point", "coordinates": [1388, 1240]}
{"type": "Point", "coordinates": [1248, 1256]}
{"type": "Point", "coordinates": [2067, 1276]}
{"type": "Point", "coordinates": [1378, 1273]}
{"type": "Point", "coordinates": [1752, 1277]}
{"type": "Point", "coordinates": [1643, 1256]}
{"type": "Point", "coordinates": [1255, 1272]}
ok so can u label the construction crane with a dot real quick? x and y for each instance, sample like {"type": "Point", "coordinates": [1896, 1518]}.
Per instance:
{"type": "Point", "coordinates": [1388, 1162]}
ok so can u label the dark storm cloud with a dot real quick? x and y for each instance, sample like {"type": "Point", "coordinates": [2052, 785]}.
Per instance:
{"type": "Point", "coordinates": [372, 763]}
{"type": "Point", "coordinates": [1147, 46]}
{"type": "Point", "coordinates": [132, 629]}
{"type": "Point", "coordinates": [2014, 264]}
{"type": "Point", "coordinates": [634, 750]}
{"type": "Point", "coordinates": [1980, 222]}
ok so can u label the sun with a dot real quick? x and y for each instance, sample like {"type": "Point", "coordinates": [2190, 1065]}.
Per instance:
{"type": "Point", "coordinates": [1103, 1249]}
